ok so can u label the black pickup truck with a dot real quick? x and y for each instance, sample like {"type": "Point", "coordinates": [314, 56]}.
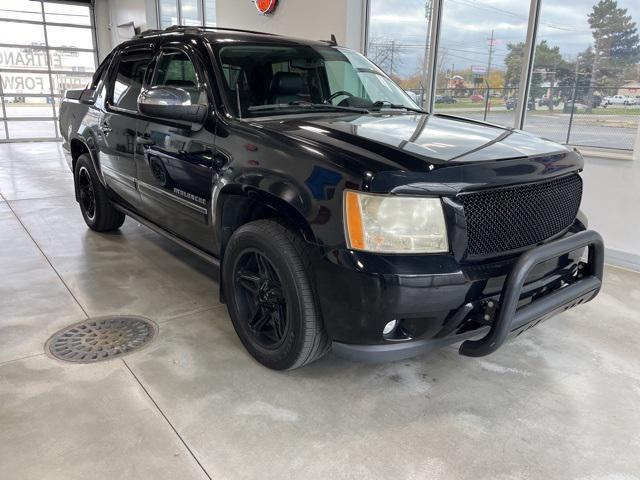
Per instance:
{"type": "Point", "coordinates": [340, 213]}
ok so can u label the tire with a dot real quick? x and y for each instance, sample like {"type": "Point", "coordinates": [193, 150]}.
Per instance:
{"type": "Point", "coordinates": [270, 298]}
{"type": "Point", "coordinates": [97, 210]}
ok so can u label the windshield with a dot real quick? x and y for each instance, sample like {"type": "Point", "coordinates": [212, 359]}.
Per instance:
{"type": "Point", "coordinates": [270, 79]}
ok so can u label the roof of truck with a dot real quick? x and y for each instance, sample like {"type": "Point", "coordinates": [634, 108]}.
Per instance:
{"type": "Point", "coordinates": [216, 33]}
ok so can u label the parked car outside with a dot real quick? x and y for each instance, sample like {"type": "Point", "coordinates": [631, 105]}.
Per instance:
{"type": "Point", "coordinates": [618, 100]}
{"type": "Point", "coordinates": [511, 103]}
{"type": "Point", "coordinates": [570, 106]}
{"type": "Point", "coordinates": [341, 216]}
{"type": "Point", "coordinates": [546, 101]}
{"type": "Point", "coordinates": [444, 99]}
{"type": "Point", "coordinates": [596, 100]}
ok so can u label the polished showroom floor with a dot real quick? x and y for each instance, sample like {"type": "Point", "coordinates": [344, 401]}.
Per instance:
{"type": "Point", "coordinates": [561, 402]}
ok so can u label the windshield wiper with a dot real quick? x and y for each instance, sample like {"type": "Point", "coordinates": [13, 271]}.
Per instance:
{"type": "Point", "coordinates": [380, 104]}
{"type": "Point", "coordinates": [305, 104]}
{"type": "Point", "coordinates": [328, 105]}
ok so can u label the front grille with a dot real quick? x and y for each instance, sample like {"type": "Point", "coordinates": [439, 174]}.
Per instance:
{"type": "Point", "coordinates": [509, 218]}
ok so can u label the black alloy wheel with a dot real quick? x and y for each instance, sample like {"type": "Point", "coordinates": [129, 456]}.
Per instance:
{"type": "Point", "coordinates": [260, 299]}
{"type": "Point", "coordinates": [97, 210]}
{"type": "Point", "coordinates": [270, 297]}
{"type": "Point", "coordinates": [86, 193]}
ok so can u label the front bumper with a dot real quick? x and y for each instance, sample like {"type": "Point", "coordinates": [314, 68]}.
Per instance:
{"type": "Point", "coordinates": [480, 305]}
{"type": "Point", "coordinates": [512, 320]}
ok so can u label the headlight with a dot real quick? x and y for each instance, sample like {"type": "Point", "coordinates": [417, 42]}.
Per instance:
{"type": "Point", "coordinates": [392, 224]}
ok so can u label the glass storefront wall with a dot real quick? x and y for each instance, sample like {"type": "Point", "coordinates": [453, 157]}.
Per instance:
{"type": "Point", "coordinates": [478, 73]}
{"type": "Point", "coordinates": [397, 41]}
{"type": "Point", "coordinates": [585, 82]}
{"type": "Point", "coordinates": [187, 12]}
{"type": "Point", "coordinates": [45, 49]}
{"type": "Point", "coordinates": [585, 87]}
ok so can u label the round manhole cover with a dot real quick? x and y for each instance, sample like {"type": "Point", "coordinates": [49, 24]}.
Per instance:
{"type": "Point", "coordinates": [102, 338]}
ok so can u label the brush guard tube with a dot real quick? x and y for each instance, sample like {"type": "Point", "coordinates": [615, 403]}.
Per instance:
{"type": "Point", "coordinates": [511, 319]}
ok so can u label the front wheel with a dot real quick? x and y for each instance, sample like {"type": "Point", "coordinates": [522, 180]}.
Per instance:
{"type": "Point", "coordinates": [96, 208]}
{"type": "Point", "coordinates": [270, 298]}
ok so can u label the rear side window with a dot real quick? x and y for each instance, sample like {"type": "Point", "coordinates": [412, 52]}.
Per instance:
{"type": "Point", "coordinates": [129, 78]}
{"type": "Point", "coordinates": [175, 69]}
{"type": "Point", "coordinates": [102, 69]}
{"type": "Point", "coordinates": [94, 89]}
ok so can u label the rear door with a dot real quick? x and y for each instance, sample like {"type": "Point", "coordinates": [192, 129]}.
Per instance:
{"type": "Point", "coordinates": [118, 125]}
{"type": "Point", "coordinates": [175, 172]}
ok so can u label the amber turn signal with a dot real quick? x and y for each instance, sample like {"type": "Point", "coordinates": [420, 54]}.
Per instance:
{"type": "Point", "coordinates": [353, 220]}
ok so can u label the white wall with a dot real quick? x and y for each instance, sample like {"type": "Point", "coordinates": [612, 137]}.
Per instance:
{"type": "Point", "coordinates": [103, 28]}
{"type": "Point", "coordinates": [612, 202]}
{"type": "Point", "coordinates": [636, 151]}
{"type": "Point", "coordinates": [313, 20]}
{"type": "Point", "coordinates": [110, 14]}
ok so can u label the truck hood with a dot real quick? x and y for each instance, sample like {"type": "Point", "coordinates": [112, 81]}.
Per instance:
{"type": "Point", "coordinates": [413, 142]}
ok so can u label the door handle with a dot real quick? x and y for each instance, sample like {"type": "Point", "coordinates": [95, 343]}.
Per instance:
{"type": "Point", "coordinates": [106, 128]}
{"type": "Point", "coordinates": [145, 141]}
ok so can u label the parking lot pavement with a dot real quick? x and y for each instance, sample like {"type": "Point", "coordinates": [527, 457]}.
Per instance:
{"type": "Point", "coordinates": [605, 131]}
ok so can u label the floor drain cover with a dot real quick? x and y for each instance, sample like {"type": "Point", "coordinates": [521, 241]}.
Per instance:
{"type": "Point", "coordinates": [102, 338]}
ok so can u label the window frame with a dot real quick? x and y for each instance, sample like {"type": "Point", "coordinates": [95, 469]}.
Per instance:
{"type": "Point", "coordinates": [98, 81]}
{"type": "Point", "coordinates": [101, 71]}
{"type": "Point", "coordinates": [174, 47]}
{"type": "Point", "coordinates": [115, 64]}
{"type": "Point", "coordinates": [205, 84]}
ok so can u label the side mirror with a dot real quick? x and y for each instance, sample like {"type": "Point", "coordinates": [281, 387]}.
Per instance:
{"type": "Point", "coordinates": [87, 95]}
{"type": "Point", "coordinates": [73, 94]}
{"type": "Point", "coordinates": [171, 103]}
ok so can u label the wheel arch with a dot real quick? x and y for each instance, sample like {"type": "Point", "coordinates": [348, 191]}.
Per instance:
{"type": "Point", "coordinates": [78, 146]}
{"type": "Point", "coordinates": [237, 205]}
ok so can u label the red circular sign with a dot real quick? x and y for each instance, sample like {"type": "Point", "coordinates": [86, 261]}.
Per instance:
{"type": "Point", "coordinates": [266, 6]}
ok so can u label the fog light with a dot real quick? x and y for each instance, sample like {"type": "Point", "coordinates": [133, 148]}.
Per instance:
{"type": "Point", "coordinates": [388, 328]}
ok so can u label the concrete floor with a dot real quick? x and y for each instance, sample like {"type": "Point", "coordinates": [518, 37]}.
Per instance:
{"type": "Point", "coordinates": [561, 402]}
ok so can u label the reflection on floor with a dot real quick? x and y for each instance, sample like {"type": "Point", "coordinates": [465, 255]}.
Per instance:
{"type": "Point", "coordinates": [560, 402]}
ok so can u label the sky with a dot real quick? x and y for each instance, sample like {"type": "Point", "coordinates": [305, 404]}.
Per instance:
{"type": "Point", "coordinates": [467, 26]}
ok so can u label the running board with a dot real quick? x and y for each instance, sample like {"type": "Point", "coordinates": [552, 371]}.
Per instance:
{"type": "Point", "coordinates": [170, 236]}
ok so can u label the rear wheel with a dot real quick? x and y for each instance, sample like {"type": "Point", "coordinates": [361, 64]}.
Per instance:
{"type": "Point", "coordinates": [97, 210]}
{"type": "Point", "coordinates": [270, 300]}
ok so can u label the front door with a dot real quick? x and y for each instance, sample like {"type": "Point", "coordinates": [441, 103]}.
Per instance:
{"type": "Point", "coordinates": [175, 173]}
{"type": "Point", "coordinates": [118, 125]}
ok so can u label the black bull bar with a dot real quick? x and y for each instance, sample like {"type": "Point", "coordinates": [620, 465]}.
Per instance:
{"type": "Point", "coordinates": [512, 319]}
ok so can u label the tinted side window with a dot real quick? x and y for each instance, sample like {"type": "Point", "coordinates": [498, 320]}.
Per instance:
{"type": "Point", "coordinates": [94, 89]}
{"type": "Point", "coordinates": [101, 71]}
{"type": "Point", "coordinates": [129, 78]}
{"type": "Point", "coordinates": [175, 69]}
